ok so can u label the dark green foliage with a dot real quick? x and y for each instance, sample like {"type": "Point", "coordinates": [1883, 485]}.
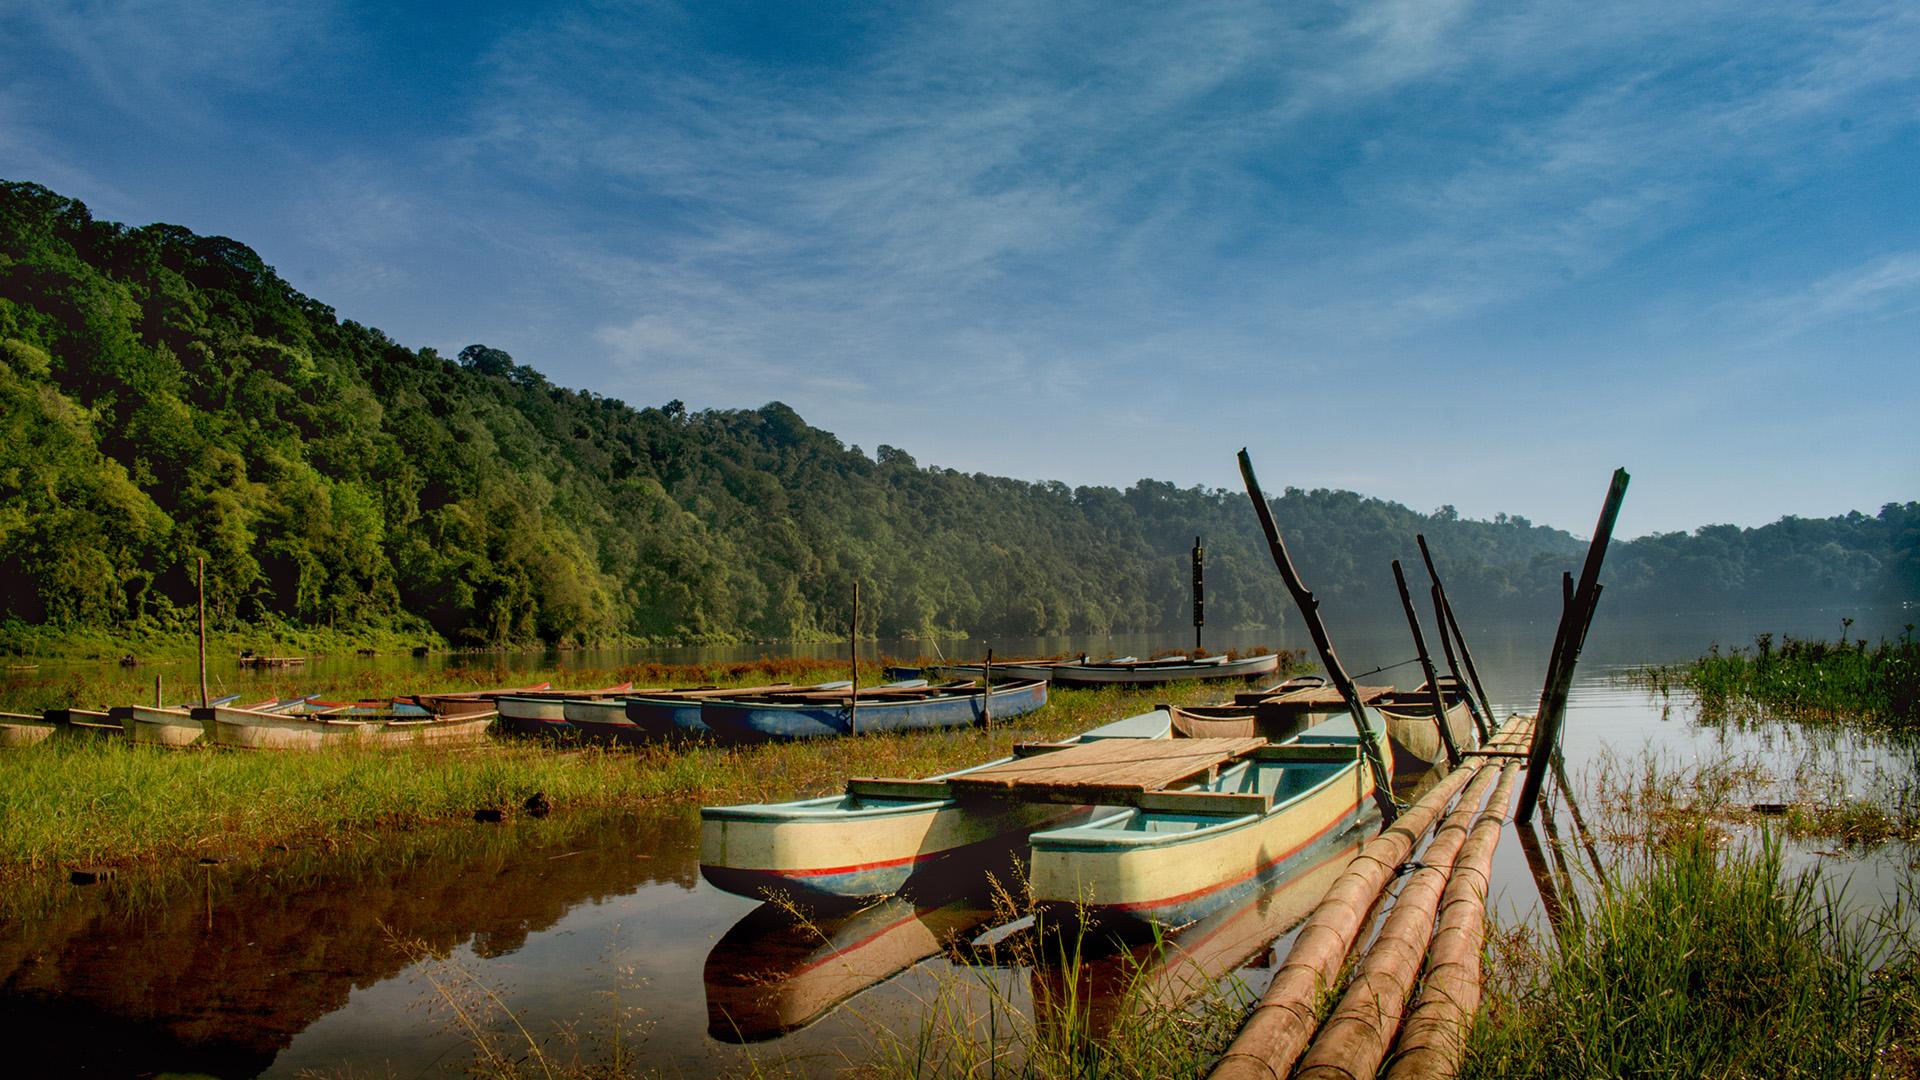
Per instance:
{"type": "Point", "coordinates": [165, 396]}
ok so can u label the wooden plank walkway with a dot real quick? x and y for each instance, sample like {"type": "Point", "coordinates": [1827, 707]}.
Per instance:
{"type": "Point", "coordinates": [1109, 769]}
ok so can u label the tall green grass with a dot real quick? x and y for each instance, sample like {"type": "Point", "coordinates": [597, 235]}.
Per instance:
{"type": "Point", "coordinates": [75, 801]}
{"type": "Point", "coordinates": [1709, 964]}
{"type": "Point", "coordinates": [1876, 686]}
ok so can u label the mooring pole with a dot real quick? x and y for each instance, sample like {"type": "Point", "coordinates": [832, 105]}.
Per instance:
{"type": "Point", "coordinates": [157, 703]}
{"type": "Point", "coordinates": [1453, 626]}
{"type": "Point", "coordinates": [1426, 666]}
{"type": "Point", "coordinates": [853, 654]}
{"type": "Point", "coordinates": [986, 691]}
{"type": "Point", "coordinates": [1481, 723]}
{"type": "Point", "coordinates": [1310, 611]}
{"type": "Point", "coordinates": [1199, 594]}
{"type": "Point", "coordinates": [1574, 621]}
{"type": "Point", "coordinates": [203, 631]}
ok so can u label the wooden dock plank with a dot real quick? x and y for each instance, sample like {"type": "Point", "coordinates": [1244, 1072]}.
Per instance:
{"type": "Point", "coordinates": [1105, 767]}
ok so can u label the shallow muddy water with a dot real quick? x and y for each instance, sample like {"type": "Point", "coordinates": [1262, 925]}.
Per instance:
{"type": "Point", "coordinates": [598, 934]}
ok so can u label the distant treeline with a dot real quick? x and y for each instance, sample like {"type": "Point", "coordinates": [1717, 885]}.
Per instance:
{"type": "Point", "coordinates": [166, 396]}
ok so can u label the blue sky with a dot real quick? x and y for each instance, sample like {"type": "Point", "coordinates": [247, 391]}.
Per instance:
{"type": "Point", "coordinates": [1436, 252]}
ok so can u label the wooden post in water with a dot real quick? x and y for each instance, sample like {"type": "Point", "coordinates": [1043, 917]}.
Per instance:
{"type": "Point", "coordinates": [1481, 722]}
{"type": "Point", "coordinates": [157, 701]}
{"type": "Point", "coordinates": [853, 655]}
{"type": "Point", "coordinates": [203, 631]}
{"type": "Point", "coordinates": [1310, 611]}
{"type": "Point", "coordinates": [1574, 620]}
{"type": "Point", "coordinates": [1453, 625]}
{"type": "Point", "coordinates": [986, 690]}
{"type": "Point", "coordinates": [1426, 666]}
{"type": "Point", "coordinates": [1199, 594]}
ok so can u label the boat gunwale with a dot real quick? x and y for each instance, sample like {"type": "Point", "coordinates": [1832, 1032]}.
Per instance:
{"type": "Point", "coordinates": [1129, 840]}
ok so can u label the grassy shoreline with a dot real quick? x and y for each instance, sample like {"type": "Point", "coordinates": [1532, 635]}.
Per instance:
{"type": "Point", "coordinates": [68, 803]}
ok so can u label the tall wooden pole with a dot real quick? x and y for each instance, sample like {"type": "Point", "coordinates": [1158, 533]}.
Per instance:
{"type": "Point", "coordinates": [1426, 666]}
{"type": "Point", "coordinates": [1453, 628]}
{"type": "Point", "coordinates": [853, 654]}
{"type": "Point", "coordinates": [157, 696]}
{"type": "Point", "coordinates": [1199, 593]}
{"type": "Point", "coordinates": [1574, 621]}
{"type": "Point", "coordinates": [203, 631]}
{"type": "Point", "coordinates": [986, 690]}
{"type": "Point", "coordinates": [1310, 612]}
{"type": "Point", "coordinates": [1481, 722]}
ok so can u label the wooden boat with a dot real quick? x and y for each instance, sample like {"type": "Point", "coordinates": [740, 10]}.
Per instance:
{"type": "Point", "coordinates": [261, 729]}
{"type": "Point", "coordinates": [20, 729]}
{"type": "Point", "coordinates": [777, 970]}
{"type": "Point", "coordinates": [466, 702]}
{"type": "Point", "coordinates": [1179, 853]}
{"type": "Point", "coordinates": [1165, 973]}
{"type": "Point", "coordinates": [1127, 671]}
{"type": "Point", "coordinates": [174, 727]}
{"type": "Point", "coordinates": [87, 723]}
{"type": "Point", "coordinates": [1415, 736]}
{"type": "Point", "coordinates": [894, 707]}
{"type": "Point", "coordinates": [879, 835]}
{"type": "Point", "coordinates": [543, 712]}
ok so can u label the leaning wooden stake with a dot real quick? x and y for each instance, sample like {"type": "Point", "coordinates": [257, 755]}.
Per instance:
{"type": "Point", "coordinates": [986, 692]}
{"type": "Point", "coordinates": [1426, 666]}
{"type": "Point", "coordinates": [1284, 1020]}
{"type": "Point", "coordinates": [1574, 621]}
{"type": "Point", "coordinates": [1481, 722]}
{"type": "Point", "coordinates": [1453, 627]}
{"type": "Point", "coordinates": [1310, 611]}
{"type": "Point", "coordinates": [1434, 1036]}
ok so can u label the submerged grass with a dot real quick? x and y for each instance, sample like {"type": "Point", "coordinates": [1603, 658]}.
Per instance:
{"type": "Point", "coordinates": [1707, 964]}
{"type": "Point", "coordinates": [76, 802]}
{"type": "Point", "coordinates": [1844, 682]}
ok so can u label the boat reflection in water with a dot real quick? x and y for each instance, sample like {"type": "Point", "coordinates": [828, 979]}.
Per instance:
{"type": "Point", "coordinates": [1110, 980]}
{"type": "Point", "coordinates": [778, 970]}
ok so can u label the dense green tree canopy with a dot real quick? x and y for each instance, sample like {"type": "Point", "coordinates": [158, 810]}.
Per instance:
{"type": "Point", "coordinates": [166, 396]}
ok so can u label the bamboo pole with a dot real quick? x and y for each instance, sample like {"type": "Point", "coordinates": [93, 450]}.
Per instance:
{"type": "Point", "coordinates": [1453, 626]}
{"type": "Point", "coordinates": [1310, 611]}
{"type": "Point", "coordinates": [1434, 1036]}
{"type": "Point", "coordinates": [1575, 620]}
{"type": "Point", "coordinates": [1426, 666]}
{"type": "Point", "coordinates": [203, 631]}
{"type": "Point", "coordinates": [1283, 1021]}
{"type": "Point", "coordinates": [853, 654]}
{"type": "Point", "coordinates": [1355, 1039]}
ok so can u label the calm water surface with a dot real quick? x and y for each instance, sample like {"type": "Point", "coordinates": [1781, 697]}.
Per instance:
{"type": "Point", "coordinates": [597, 929]}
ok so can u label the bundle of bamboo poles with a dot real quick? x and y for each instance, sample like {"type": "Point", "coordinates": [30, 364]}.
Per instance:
{"type": "Point", "coordinates": [1360, 1032]}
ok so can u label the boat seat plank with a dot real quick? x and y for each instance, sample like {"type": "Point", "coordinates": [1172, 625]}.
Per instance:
{"type": "Point", "coordinates": [1106, 769]}
{"type": "Point", "coordinates": [882, 787]}
{"type": "Point", "coordinates": [1306, 752]}
{"type": "Point", "coordinates": [1229, 803]}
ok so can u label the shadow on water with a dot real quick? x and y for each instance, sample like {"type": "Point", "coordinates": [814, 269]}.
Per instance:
{"type": "Point", "coordinates": [216, 972]}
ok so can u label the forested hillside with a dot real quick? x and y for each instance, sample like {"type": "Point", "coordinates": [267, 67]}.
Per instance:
{"type": "Point", "coordinates": [166, 396]}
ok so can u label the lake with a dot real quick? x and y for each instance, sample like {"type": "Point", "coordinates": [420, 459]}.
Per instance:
{"type": "Point", "coordinates": [598, 931]}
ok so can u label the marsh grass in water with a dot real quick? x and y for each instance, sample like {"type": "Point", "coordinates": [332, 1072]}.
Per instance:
{"type": "Point", "coordinates": [1705, 964]}
{"type": "Point", "coordinates": [1845, 682]}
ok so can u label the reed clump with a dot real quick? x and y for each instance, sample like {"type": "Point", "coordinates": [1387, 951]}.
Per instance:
{"type": "Point", "coordinates": [1708, 963]}
{"type": "Point", "coordinates": [1846, 682]}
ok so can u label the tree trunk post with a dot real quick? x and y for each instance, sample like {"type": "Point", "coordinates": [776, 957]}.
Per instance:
{"type": "Point", "coordinates": [1426, 667]}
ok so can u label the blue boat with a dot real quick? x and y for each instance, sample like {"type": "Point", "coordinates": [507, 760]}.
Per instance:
{"type": "Point", "coordinates": [880, 709]}
{"type": "Point", "coordinates": [678, 715]}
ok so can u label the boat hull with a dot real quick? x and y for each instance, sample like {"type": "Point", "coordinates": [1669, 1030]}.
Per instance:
{"type": "Point", "coordinates": [1416, 739]}
{"type": "Point", "coordinates": [172, 728]}
{"type": "Point", "coordinates": [751, 721]}
{"type": "Point", "coordinates": [21, 730]}
{"type": "Point", "coordinates": [1150, 673]}
{"type": "Point", "coordinates": [842, 849]}
{"type": "Point", "coordinates": [247, 729]}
